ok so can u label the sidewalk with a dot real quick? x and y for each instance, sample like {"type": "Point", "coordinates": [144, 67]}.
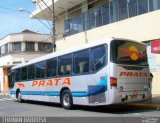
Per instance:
{"type": "Point", "coordinates": [153, 104]}
{"type": "Point", "coordinates": [5, 93]}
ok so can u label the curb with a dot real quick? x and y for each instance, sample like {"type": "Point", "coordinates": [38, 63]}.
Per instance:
{"type": "Point", "coordinates": [145, 106]}
{"type": "Point", "coordinates": [4, 94]}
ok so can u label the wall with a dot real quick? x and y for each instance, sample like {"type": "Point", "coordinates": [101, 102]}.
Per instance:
{"type": "Point", "coordinates": [156, 83]}
{"type": "Point", "coordinates": [156, 76]}
{"type": "Point", "coordinates": [16, 57]}
{"type": "Point", "coordinates": [1, 80]}
{"type": "Point", "coordinates": [19, 37]}
{"type": "Point", "coordinates": [6, 82]}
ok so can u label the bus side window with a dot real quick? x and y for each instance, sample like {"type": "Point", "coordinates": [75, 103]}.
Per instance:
{"type": "Point", "coordinates": [40, 69]}
{"type": "Point", "coordinates": [81, 62]}
{"type": "Point", "coordinates": [24, 73]}
{"type": "Point", "coordinates": [11, 78]}
{"type": "Point", "coordinates": [65, 65]}
{"type": "Point", "coordinates": [98, 58]}
{"type": "Point", "coordinates": [51, 67]}
{"type": "Point", "coordinates": [61, 72]}
{"type": "Point", "coordinates": [31, 71]}
{"type": "Point", "coordinates": [68, 69]}
{"type": "Point", "coordinates": [18, 73]}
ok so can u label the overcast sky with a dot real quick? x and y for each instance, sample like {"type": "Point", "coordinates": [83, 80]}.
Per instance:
{"type": "Point", "coordinates": [14, 21]}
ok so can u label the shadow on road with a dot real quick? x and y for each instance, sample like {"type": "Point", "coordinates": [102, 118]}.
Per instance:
{"type": "Point", "coordinates": [114, 109]}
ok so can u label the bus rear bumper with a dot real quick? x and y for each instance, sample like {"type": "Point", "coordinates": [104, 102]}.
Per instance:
{"type": "Point", "coordinates": [130, 97]}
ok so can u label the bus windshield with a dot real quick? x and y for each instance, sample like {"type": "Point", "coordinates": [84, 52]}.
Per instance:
{"type": "Point", "coordinates": [127, 52]}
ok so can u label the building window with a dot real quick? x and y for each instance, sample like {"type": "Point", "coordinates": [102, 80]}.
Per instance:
{"type": "Point", "coordinates": [151, 8]}
{"type": "Point", "coordinates": [85, 20]}
{"type": "Point", "coordinates": [3, 49]}
{"type": "Point", "coordinates": [67, 27]}
{"type": "Point", "coordinates": [113, 11]}
{"type": "Point", "coordinates": [142, 6]}
{"type": "Point", "coordinates": [6, 48]}
{"type": "Point", "coordinates": [16, 46]}
{"type": "Point", "coordinates": [122, 9]}
{"type": "Point", "coordinates": [45, 47]}
{"type": "Point", "coordinates": [158, 4]}
{"type": "Point", "coordinates": [132, 8]}
{"type": "Point", "coordinates": [154, 5]}
{"type": "Point", "coordinates": [91, 16]}
{"type": "Point", "coordinates": [30, 46]}
{"type": "Point", "coordinates": [103, 12]}
{"type": "Point", "coordinates": [76, 25]}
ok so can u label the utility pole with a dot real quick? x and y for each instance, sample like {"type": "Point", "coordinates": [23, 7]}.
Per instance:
{"type": "Point", "coordinates": [53, 27]}
{"type": "Point", "coordinates": [53, 30]}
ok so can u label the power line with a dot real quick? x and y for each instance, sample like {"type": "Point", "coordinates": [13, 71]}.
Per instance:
{"type": "Point", "coordinates": [26, 11]}
{"type": "Point", "coordinates": [47, 6]}
{"type": "Point", "coordinates": [8, 9]}
{"type": "Point", "coordinates": [21, 9]}
{"type": "Point", "coordinates": [53, 22]}
{"type": "Point", "coordinates": [44, 15]}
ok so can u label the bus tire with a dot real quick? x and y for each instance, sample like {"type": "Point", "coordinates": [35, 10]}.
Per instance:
{"type": "Point", "coordinates": [19, 97]}
{"type": "Point", "coordinates": [66, 100]}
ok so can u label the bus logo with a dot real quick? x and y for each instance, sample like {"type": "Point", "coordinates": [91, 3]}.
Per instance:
{"type": "Point", "coordinates": [134, 74]}
{"type": "Point", "coordinates": [51, 82]}
{"type": "Point", "coordinates": [134, 53]}
{"type": "Point", "coordinates": [21, 85]}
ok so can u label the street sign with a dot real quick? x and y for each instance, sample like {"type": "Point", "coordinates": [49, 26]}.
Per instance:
{"type": "Point", "coordinates": [155, 46]}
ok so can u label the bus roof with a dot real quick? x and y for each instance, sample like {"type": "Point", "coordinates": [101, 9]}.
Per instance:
{"type": "Point", "coordinates": [61, 53]}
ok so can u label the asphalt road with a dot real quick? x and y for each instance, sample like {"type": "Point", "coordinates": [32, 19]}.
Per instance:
{"type": "Point", "coordinates": [10, 107]}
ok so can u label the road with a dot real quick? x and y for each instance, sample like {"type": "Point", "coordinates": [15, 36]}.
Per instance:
{"type": "Point", "coordinates": [10, 107]}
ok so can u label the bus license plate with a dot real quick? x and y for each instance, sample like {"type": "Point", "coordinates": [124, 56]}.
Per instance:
{"type": "Point", "coordinates": [135, 92]}
{"type": "Point", "coordinates": [134, 97]}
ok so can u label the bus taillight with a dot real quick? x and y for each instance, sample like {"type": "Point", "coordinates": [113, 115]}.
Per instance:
{"type": "Point", "coordinates": [113, 81]}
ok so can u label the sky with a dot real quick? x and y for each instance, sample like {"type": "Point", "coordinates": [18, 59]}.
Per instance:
{"type": "Point", "coordinates": [14, 21]}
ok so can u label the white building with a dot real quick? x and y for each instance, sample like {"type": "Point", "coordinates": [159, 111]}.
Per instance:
{"type": "Point", "coordinates": [83, 21]}
{"type": "Point", "coordinates": [18, 48]}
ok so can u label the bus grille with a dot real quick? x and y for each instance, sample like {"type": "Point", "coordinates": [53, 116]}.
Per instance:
{"type": "Point", "coordinates": [96, 97]}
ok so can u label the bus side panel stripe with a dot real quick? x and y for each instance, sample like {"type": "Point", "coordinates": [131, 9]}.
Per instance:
{"type": "Point", "coordinates": [100, 87]}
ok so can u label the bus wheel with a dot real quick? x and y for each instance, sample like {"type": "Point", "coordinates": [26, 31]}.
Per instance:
{"type": "Point", "coordinates": [66, 99]}
{"type": "Point", "coordinates": [19, 97]}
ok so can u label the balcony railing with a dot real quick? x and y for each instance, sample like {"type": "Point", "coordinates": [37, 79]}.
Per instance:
{"type": "Point", "coordinates": [105, 14]}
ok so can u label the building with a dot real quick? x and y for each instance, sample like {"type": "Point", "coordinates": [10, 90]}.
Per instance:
{"type": "Point", "coordinates": [82, 21]}
{"type": "Point", "coordinates": [18, 48]}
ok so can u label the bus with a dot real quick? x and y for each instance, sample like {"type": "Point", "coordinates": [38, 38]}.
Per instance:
{"type": "Point", "coordinates": [110, 71]}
